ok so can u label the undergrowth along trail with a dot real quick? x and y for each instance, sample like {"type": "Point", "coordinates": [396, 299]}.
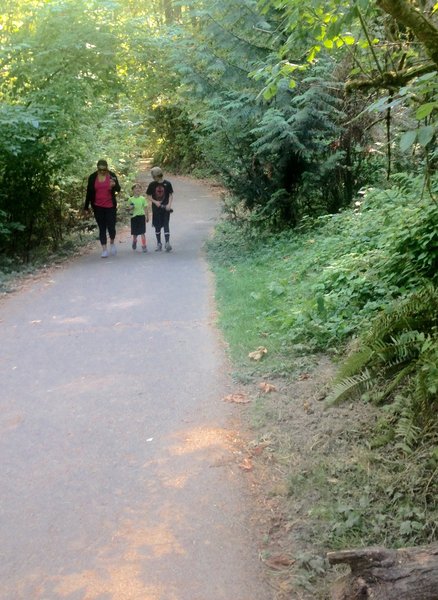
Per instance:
{"type": "Point", "coordinates": [364, 472]}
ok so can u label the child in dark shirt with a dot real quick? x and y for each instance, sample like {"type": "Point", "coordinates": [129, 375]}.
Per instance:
{"type": "Point", "coordinates": [160, 193]}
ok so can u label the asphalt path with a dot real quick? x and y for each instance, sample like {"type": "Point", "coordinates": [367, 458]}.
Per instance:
{"type": "Point", "coordinates": [119, 478]}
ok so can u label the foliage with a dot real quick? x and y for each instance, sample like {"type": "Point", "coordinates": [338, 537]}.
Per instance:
{"type": "Point", "coordinates": [331, 283]}
{"type": "Point", "coordinates": [254, 92]}
{"type": "Point", "coordinates": [172, 138]}
{"type": "Point", "coordinates": [310, 290]}
{"type": "Point", "coordinates": [277, 158]}
{"type": "Point", "coordinates": [375, 497]}
{"type": "Point", "coordinates": [378, 39]}
{"type": "Point", "coordinates": [62, 95]}
{"type": "Point", "coordinates": [397, 357]}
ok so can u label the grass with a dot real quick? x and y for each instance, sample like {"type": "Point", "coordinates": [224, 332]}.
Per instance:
{"type": "Point", "coordinates": [306, 293]}
{"type": "Point", "coordinates": [295, 293]}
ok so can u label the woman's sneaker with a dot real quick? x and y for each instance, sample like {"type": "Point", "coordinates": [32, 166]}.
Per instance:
{"type": "Point", "coordinates": [113, 249]}
{"type": "Point", "coordinates": [167, 247]}
{"type": "Point", "coordinates": [104, 254]}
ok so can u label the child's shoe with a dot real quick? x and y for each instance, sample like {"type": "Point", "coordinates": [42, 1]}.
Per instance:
{"type": "Point", "coordinates": [134, 245]}
{"type": "Point", "coordinates": [159, 248]}
{"type": "Point", "coordinates": [167, 247]}
{"type": "Point", "coordinates": [144, 248]}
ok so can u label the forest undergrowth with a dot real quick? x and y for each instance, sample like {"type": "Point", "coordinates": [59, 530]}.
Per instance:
{"type": "Point", "coordinates": [332, 330]}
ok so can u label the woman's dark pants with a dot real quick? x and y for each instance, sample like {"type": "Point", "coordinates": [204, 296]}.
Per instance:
{"type": "Point", "coordinates": [106, 220]}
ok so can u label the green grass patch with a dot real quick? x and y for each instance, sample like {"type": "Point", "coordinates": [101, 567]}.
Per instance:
{"type": "Point", "coordinates": [309, 291]}
{"type": "Point", "coordinates": [312, 289]}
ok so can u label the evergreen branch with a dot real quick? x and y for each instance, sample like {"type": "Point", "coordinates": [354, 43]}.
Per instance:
{"type": "Point", "coordinates": [234, 35]}
{"type": "Point", "coordinates": [229, 63]}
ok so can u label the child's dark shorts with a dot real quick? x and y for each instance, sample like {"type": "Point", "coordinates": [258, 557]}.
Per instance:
{"type": "Point", "coordinates": [138, 225]}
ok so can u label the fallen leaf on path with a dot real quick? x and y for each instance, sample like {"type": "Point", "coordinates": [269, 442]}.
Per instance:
{"type": "Point", "coordinates": [238, 398]}
{"type": "Point", "coordinates": [257, 450]}
{"type": "Point", "coordinates": [246, 464]}
{"type": "Point", "coordinates": [258, 354]}
{"type": "Point", "coordinates": [279, 562]}
{"type": "Point", "coordinates": [267, 387]}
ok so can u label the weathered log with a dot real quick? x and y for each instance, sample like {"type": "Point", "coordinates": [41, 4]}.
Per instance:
{"type": "Point", "coordinates": [382, 574]}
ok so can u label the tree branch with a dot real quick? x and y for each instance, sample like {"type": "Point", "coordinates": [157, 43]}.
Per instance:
{"type": "Point", "coordinates": [391, 80]}
{"type": "Point", "coordinates": [409, 15]}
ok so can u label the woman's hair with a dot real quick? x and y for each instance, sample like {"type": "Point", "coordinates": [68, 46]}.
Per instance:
{"type": "Point", "coordinates": [102, 163]}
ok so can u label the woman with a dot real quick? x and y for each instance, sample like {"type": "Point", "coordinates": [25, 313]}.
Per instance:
{"type": "Point", "coordinates": [102, 188]}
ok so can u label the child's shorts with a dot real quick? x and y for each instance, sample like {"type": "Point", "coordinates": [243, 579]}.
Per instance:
{"type": "Point", "coordinates": [138, 225]}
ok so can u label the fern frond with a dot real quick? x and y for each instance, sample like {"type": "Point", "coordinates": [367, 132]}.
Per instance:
{"type": "Point", "coordinates": [396, 381]}
{"type": "Point", "coordinates": [418, 312]}
{"type": "Point", "coordinates": [399, 354]}
{"type": "Point", "coordinates": [355, 363]}
{"type": "Point", "coordinates": [349, 386]}
{"type": "Point", "coordinates": [406, 431]}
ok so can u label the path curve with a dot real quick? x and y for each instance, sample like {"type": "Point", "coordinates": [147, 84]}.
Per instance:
{"type": "Point", "coordinates": [119, 478]}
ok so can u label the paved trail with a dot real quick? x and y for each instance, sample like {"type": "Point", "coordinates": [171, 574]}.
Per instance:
{"type": "Point", "coordinates": [117, 476]}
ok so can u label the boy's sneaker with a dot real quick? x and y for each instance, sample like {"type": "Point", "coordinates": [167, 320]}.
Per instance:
{"type": "Point", "coordinates": [134, 245]}
{"type": "Point", "coordinates": [159, 248]}
{"type": "Point", "coordinates": [104, 254]}
{"type": "Point", "coordinates": [113, 249]}
{"type": "Point", "coordinates": [144, 248]}
{"type": "Point", "coordinates": [167, 247]}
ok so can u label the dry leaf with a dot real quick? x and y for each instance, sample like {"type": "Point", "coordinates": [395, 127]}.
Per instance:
{"type": "Point", "coordinates": [238, 398]}
{"type": "Point", "coordinates": [279, 562]}
{"type": "Point", "coordinates": [257, 450]}
{"type": "Point", "coordinates": [267, 387]}
{"type": "Point", "coordinates": [246, 464]}
{"type": "Point", "coordinates": [307, 408]}
{"type": "Point", "coordinates": [258, 354]}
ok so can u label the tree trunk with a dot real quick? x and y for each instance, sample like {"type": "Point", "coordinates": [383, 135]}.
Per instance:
{"type": "Point", "coordinates": [409, 15]}
{"type": "Point", "coordinates": [381, 574]}
{"type": "Point", "coordinates": [168, 11]}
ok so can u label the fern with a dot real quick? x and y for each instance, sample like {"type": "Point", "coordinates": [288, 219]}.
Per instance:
{"type": "Point", "coordinates": [399, 355]}
{"type": "Point", "coordinates": [348, 386]}
{"type": "Point", "coordinates": [355, 363]}
{"type": "Point", "coordinates": [406, 432]}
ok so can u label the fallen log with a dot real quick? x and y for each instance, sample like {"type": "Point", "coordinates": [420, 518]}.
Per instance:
{"type": "Point", "coordinates": [382, 574]}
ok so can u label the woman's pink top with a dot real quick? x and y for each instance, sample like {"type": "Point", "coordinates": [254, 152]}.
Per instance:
{"type": "Point", "coordinates": [103, 193]}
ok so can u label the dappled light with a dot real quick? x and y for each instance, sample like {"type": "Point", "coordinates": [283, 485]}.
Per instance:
{"type": "Point", "coordinates": [120, 567]}
{"type": "Point", "coordinates": [199, 439]}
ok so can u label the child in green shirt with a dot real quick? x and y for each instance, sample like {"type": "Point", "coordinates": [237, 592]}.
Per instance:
{"type": "Point", "coordinates": [139, 217]}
